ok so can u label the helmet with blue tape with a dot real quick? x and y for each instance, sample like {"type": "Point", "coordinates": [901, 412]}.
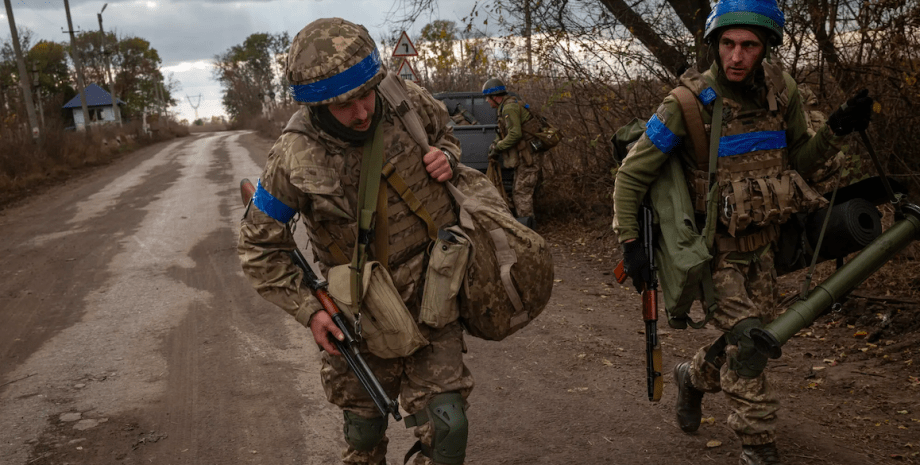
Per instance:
{"type": "Point", "coordinates": [331, 61]}
{"type": "Point", "coordinates": [740, 13]}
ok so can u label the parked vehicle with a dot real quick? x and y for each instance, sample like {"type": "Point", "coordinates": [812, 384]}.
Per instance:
{"type": "Point", "coordinates": [476, 129]}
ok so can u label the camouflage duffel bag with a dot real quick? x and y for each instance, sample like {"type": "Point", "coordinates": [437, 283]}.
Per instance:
{"type": "Point", "coordinates": [509, 278]}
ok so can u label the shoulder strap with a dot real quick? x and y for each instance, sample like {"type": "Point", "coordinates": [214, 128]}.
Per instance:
{"type": "Point", "coordinates": [395, 93]}
{"type": "Point", "coordinates": [694, 124]}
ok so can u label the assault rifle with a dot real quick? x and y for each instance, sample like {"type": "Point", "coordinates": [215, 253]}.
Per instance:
{"type": "Point", "coordinates": [349, 346]}
{"type": "Point", "coordinates": [649, 307]}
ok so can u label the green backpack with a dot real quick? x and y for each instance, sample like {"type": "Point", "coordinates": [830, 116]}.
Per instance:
{"type": "Point", "coordinates": [681, 253]}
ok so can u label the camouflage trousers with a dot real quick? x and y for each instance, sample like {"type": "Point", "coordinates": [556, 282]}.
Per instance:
{"type": "Point", "coordinates": [745, 287]}
{"type": "Point", "coordinates": [526, 178]}
{"type": "Point", "coordinates": [432, 370]}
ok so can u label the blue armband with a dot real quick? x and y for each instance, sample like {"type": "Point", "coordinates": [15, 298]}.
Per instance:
{"type": "Point", "coordinates": [272, 206]}
{"type": "Point", "coordinates": [660, 135]}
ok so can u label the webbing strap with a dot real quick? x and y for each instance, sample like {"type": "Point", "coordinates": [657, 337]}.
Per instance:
{"type": "Point", "coordinates": [417, 207]}
{"type": "Point", "coordinates": [712, 197]}
{"type": "Point", "coordinates": [694, 124]}
{"type": "Point", "coordinates": [382, 229]}
{"type": "Point", "coordinates": [369, 184]}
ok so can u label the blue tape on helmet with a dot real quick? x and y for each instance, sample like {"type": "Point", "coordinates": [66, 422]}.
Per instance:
{"type": "Point", "coordinates": [339, 84]}
{"type": "Point", "coordinates": [660, 135]}
{"type": "Point", "coordinates": [493, 90]}
{"type": "Point", "coordinates": [271, 206]}
{"type": "Point", "coordinates": [707, 95]}
{"type": "Point", "coordinates": [740, 144]}
{"type": "Point", "coordinates": [768, 9]}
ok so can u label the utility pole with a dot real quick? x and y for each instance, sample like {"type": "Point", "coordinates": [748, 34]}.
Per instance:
{"type": "Point", "coordinates": [116, 111]}
{"type": "Point", "coordinates": [79, 64]}
{"type": "Point", "coordinates": [36, 84]}
{"type": "Point", "coordinates": [23, 74]}
{"type": "Point", "coordinates": [194, 105]}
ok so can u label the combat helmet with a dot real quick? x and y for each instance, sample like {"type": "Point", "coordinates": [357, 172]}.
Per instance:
{"type": "Point", "coordinates": [762, 13]}
{"type": "Point", "coordinates": [332, 61]}
{"type": "Point", "coordinates": [494, 86]}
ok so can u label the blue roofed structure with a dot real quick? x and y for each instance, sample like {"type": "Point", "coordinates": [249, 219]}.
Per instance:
{"type": "Point", "coordinates": [99, 104]}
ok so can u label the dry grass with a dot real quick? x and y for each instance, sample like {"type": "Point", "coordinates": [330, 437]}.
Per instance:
{"type": "Point", "coordinates": [27, 168]}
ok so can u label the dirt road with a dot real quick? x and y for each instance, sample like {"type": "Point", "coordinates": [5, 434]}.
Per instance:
{"type": "Point", "coordinates": [128, 335]}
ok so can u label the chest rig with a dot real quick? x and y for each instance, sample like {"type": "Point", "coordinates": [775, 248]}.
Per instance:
{"type": "Point", "coordinates": [756, 189]}
{"type": "Point", "coordinates": [402, 239]}
{"type": "Point", "coordinates": [529, 126]}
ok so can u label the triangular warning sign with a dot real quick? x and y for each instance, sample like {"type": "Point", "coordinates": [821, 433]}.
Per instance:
{"type": "Point", "coordinates": [406, 72]}
{"type": "Point", "coordinates": [404, 47]}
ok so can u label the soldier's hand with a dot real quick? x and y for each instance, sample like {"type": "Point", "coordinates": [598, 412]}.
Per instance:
{"type": "Point", "coordinates": [636, 264]}
{"type": "Point", "coordinates": [493, 152]}
{"type": "Point", "coordinates": [437, 164]}
{"type": "Point", "coordinates": [323, 328]}
{"type": "Point", "coordinates": [853, 115]}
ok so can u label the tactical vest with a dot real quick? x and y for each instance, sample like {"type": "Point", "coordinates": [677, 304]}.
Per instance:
{"type": "Point", "coordinates": [756, 187]}
{"type": "Point", "coordinates": [529, 125]}
{"type": "Point", "coordinates": [333, 184]}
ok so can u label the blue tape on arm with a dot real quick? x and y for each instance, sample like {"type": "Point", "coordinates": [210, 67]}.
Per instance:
{"type": "Point", "coordinates": [707, 95]}
{"type": "Point", "coordinates": [339, 84]}
{"type": "Point", "coordinates": [660, 135]}
{"type": "Point", "coordinates": [272, 206]}
{"type": "Point", "coordinates": [740, 144]}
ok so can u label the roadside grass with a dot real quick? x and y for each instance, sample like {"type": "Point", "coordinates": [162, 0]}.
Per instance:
{"type": "Point", "coordinates": [27, 168]}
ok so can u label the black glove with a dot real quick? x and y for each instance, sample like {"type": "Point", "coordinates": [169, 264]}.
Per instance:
{"type": "Point", "coordinates": [636, 264]}
{"type": "Point", "coordinates": [853, 115]}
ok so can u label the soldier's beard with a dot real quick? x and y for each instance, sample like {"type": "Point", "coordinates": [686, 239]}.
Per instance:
{"type": "Point", "coordinates": [323, 119]}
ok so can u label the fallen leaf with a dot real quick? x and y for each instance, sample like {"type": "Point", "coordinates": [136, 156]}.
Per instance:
{"type": "Point", "coordinates": [713, 443]}
{"type": "Point", "coordinates": [860, 334]}
{"type": "Point", "coordinates": [606, 362]}
{"type": "Point", "coordinates": [902, 412]}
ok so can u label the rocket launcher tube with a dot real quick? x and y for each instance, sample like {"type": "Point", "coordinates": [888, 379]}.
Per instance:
{"type": "Point", "coordinates": [770, 339]}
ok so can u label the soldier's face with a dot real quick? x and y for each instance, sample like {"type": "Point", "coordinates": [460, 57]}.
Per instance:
{"type": "Point", "coordinates": [356, 113]}
{"type": "Point", "coordinates": [492, 102]}
{"type": "Point", "coordinates": [740, 51]}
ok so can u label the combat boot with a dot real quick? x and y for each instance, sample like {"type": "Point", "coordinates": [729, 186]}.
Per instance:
{"type": "Point", "coordinates": [765, 454]}
{"type": "Point", "coordinates": [689, 400]}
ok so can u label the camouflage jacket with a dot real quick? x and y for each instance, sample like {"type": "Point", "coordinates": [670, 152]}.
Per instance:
{"type": "Point", "coordinates": [804, 152]}
{"type": "Point", "coordinates": [317, 176]}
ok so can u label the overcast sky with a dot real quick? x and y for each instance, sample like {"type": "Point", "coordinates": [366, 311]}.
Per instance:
{"type": "Point", "coordinates": [189, 33]}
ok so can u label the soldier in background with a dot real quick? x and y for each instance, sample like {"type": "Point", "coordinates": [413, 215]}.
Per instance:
{"type": "Point", "coordinates": [516, 125]}
{"type": "Point", "coordinates": [314, 170]}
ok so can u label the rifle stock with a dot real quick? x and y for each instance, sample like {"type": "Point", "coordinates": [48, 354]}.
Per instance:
{"type": "Point", "coordinates": [347, 347]}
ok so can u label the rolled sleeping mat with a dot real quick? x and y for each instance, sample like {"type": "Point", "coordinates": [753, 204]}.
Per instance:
{"type": "Point", "coordinates": [853, 225]}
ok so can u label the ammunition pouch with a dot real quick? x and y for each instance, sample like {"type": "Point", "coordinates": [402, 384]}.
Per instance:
{"type": "Point", "coordinates": [748, 242]}
{"type": "Point", "coordinates": [764, 201]}
{"type": "Point", "coordinates": [447, 266]}
{"type": "Point", "coordinates": [748, 362]}
{"type": "Point", "coordinates": [363, 434]}
{"type": "Point", "coordinates": [386, 323]}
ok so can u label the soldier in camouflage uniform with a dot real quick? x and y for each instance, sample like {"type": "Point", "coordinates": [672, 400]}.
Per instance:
{"type": "Point", "coordinates": [313, 170]}
{"type": "Point", "coordinates": [763, 147]}
{"type": "Point", "coordinates": [515, 123]}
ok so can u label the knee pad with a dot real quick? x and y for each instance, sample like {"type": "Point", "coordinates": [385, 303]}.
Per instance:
{"type": "Point", "coordinates": [449, 429]}
{"type": "Point", "coordinates": [749, 362]}
{"type": "Point", "coordinates": [362, 434]}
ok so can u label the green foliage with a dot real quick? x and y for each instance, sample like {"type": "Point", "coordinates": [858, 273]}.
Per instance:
{"type": "Point", "coordinates": [250, 71]}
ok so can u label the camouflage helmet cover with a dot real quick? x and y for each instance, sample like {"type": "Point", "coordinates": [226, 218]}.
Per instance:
{"type": "Point", "coordinates": [331, 61]}
{"type": "Point", "coordinates": [494, 86]}
{"type": "Point", "coordinates": [762, 13]}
